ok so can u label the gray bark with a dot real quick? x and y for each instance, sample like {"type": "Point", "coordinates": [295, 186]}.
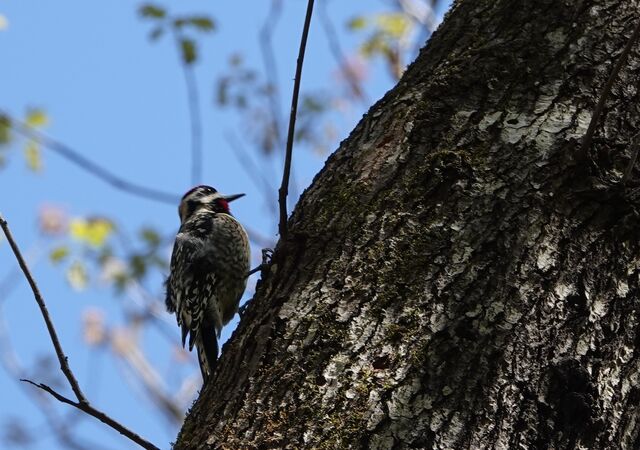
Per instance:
{"type": "Point", "coordinates": [456, 277]}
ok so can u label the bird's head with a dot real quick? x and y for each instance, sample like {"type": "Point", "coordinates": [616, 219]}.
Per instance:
{"type": "Point", "coordinates": [204, 196]}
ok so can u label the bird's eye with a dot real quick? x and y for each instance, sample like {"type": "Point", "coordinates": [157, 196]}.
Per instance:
{"type": "Point", "coordinates": [192, 205]}
{"type": "Point", "coordinates": [187, 208]}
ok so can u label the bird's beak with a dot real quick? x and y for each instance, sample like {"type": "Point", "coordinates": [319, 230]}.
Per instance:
{"type": "Point", "coordinates": [233, 197]}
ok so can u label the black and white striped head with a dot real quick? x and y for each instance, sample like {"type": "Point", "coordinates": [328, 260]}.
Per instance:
{"type": "Point", "coordinates": [204, 196]}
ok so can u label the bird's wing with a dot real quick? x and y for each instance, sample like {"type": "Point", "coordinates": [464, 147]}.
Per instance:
{"type": "Point", "coordinates": [191, 285]}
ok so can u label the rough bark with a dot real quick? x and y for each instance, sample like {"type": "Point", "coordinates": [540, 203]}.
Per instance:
{"type": "Point", "coordinates": [456, 277]}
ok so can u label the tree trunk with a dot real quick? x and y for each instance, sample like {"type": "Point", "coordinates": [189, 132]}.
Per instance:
{"type": "Point", "coordinates": [457, 276]}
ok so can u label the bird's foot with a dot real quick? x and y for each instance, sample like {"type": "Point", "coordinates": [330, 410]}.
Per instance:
{"type": "Point", "coordinates": [267, 254]}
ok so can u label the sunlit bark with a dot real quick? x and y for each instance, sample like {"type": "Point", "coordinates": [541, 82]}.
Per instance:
{"type": "Point", "coordinates": [455, 277]}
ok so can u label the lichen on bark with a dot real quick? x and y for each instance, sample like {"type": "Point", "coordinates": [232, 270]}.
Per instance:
{"type": "Point", "coordinates": [456, 277]}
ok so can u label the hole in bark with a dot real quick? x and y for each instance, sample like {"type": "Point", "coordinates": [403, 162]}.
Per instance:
{"type": "Point", "coordinates": [634, 396]}
{"type": "Point", "coordinates": [574, 397]}
{"type": "Point", "coordinates": [466, 330]}
{"type": "Point", "coordinates": [637, 339]}
{"type": "Point", "coordinates": [575, 408]}
{"type": "Point", "coordinates": [381, 362]}
{"type": "Point", "coordinates": [475, 117]}
{"type": "Point", "coordinates": [577, 302]}
{"type": "Point", "coordinates": [320, 380]}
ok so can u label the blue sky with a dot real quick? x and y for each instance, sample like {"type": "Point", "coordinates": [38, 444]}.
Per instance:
{"type": "Point", "coordinates": [120, 100]}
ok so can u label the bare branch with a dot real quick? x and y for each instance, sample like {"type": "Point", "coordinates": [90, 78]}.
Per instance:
{"type": "Point", "coordinates": [256, 175]}
{"type": "Point", "coordinates": [266, 48]}
{"type": "Point", "coordinates": [421, 12]}
{"type": "Point", "coordinates": [62, 358]}
{"type": "Point", "coordinates": [604, 94]}
{"type": "Point", "coordinates": [102, 417]}
{"type": "Point", "coordinates": [196, 127]}
{"type": "Point", "coordinates": [108, 177]}
{"type": "Point", "coordinates": [284, 188]}
{"type": "Point", "coordinates": [89, 166]}
{"type": "Point", "coordinates": [82, 402]}
{"type": "Point", "coordinates": [338, 54]}
{"type": "Point", "coordinates": [59, 397]}
{"type": "Point", "coordinates": [10, 362]}
{"type": "Point", "coordinates": [194, 113]}
{"type": "Point", "coordinates": [146, 374]}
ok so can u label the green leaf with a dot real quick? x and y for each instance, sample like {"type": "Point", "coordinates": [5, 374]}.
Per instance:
{"type": "Point", "coordinates": [36, 118]}
{"type": "Point", "coordinates": [394, 25]}
{"type": "Point", "coordinates": [93, 232]}
{"type": "Point", "coordinates": [138, 266]}
{"type": "Point", "coordinates": [188, 47]}
{"type": "Point", "coordinates": [32, 155]}
{"type": "Point", "coordinates": [120, 282]}
{"type": "Point", "coordinates": [357, 23]}
{"type": "Point", "coordinates": [159, 262]}
{"type": "Point", "coordinates": [58, 254]}
{"type": "Point", "coordinates": [77, 276]}
{"type": "Point", "coordinates": [150, 236]}
{"type": "Point", "coordinates": [374, 45]}
{"type": "Point", "coordinates": [312, 104]}
{"type": "Point", "coordinates": [202, 23]}
{"type": "Point", "coordinates": [152, 11]}
{"type": "Point", "coordinates": [5, 130]}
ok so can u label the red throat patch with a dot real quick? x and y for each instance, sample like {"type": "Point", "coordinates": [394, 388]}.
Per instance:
{"type": "Point", "coordinates": [223, 204]}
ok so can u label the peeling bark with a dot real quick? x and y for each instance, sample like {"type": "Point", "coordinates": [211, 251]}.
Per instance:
{"type": "Point", "coordinates": [455, 277]}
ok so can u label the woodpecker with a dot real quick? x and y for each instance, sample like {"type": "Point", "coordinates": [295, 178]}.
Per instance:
{"type": "Point", "coordinates": [209, 267]}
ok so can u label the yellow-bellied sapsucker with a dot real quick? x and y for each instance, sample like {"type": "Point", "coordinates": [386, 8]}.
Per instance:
{"type": "Point", "coordinates": [209, 268]}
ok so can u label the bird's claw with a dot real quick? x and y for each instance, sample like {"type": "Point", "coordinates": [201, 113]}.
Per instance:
{"type": "Point", "coordinates": [267, 254]}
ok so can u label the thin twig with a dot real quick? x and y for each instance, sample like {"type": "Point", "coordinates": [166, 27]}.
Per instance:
{"type": "Point", "coordinates": [60, 427]}
{"type": "Point", "coordinates": [424, 14]}
{"type": "Point", "coordinates": [270, 69]}
{"type": "Point", "coordinates": [635, 147]}
{"type": "Point", "coordinates": [62, 358]}
{"type": "Point", "coordinates": [421, 12]}
{"type": "Point", "coordinates": [194, 115]}
{"type": "Point", "coordinates": [256, 175]}
{"type": "Point", "coordinates": [588, 137]}
{"type": "Point", "coordinates": [338, 54]}
{"type": "Point", "coordinates": [82, 403]}
{"type": "Point", "coordinates": [196, 127]}
{"type": "Point", "coordinates": [106, 176]}
{"type": "Point", "coordinates": [284, 188]}
{"type": "Point", "coordinates": [102, 417]}
{"type": "Point", "coordinates": [149, 378]}
{"type": "Point", "coordinates": [89, 166]}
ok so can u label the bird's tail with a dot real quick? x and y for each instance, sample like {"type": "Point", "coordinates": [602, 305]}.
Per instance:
{"type": "Point", "coordinates": [207, 347]}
